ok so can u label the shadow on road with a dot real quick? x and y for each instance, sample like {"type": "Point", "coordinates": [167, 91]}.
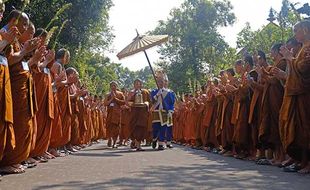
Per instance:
{"type": "Point", "coordinates": [111, 152]}
{"type": "Point", "coordinates": [218, 171]}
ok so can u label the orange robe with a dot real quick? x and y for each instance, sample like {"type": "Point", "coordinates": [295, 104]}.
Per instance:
{"type": "Point", "coordinates": [7, 136]}
{"type": "Point", "coordinates": [45, 114]}
{"type": "Point", "coordinates": [24, 110]}
{"type": "Point", "coordinates": [255, 113]}
{"type": "Point", "coordinates": [210, 123]}
{"type": "Point", "coordinates": [82, 120]}
{"type": "Point", "coordinates": [272, 99]}
{"type": "Point", "coordinates": [138, 120]}
{"type": "Point", "coordinates": [189, 131]}
{"type": "Point", "coordinates": [240, 116]}
{"type": "Point", "coordinates": [114, 115]}
{"type": "Point", "coordinates": [198, 123]}
{"type": "Point", "coordinates": [75, 130]}
{"type": "Point", "coordinates": [295, 110]}
{"type": "Point", "coordinates": [65, 112]}
{"type": "Point", "coordinates": [56, 134]}
{"type": "Point", "coordinates": [227, 128]}
{"type": "Point", "coordinates": [125, 130]}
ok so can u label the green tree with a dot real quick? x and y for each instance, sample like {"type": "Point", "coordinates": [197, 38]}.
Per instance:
{"type": "Point", "coordinates": [86, 34]}
{"type": "Point", "coordinates": [279, 29]}
{"type": "Point", "coordinates": [195, 45]}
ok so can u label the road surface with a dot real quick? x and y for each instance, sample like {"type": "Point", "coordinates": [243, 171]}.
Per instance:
{"type": "Point", "coordinates": [98, 167]}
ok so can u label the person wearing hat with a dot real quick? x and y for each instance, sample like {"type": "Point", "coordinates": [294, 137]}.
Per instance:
{"type": "Point", "coordinates": [163, 107]}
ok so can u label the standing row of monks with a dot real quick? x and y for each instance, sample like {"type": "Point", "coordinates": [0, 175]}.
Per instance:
{"type": "Point", "coordinates": [45, 112]}
{"type": "Point", "coordinates": [261, 115]}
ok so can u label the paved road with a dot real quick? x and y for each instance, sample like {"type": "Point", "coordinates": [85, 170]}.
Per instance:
{"type": "Point", "coordinates": [98, 167]}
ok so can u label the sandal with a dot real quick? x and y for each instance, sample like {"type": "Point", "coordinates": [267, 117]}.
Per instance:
{"type": "Point", "coordinates": [139, 149]}
{"type": "Point", "coordinates": [263, 162]}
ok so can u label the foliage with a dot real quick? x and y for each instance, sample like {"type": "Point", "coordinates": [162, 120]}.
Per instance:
{"type": "Point", "coordinates": [195, 46]}
{"type": "Point", "coordinates": [278, 30]}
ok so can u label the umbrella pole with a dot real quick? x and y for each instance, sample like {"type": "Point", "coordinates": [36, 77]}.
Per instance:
{"type": "Point", "coordinates": [152, 70]}
{"type": "Point", "coordinates": [148, 60]}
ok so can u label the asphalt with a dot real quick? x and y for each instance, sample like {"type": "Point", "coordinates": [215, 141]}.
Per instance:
{"type": "Point", "coordinates": [98, 167]}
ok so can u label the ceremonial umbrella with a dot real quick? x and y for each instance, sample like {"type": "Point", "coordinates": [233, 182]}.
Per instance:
{"type": "Point", "coordinates": [141, 43]}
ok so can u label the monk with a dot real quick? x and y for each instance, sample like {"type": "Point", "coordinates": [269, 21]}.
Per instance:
{"type": "Point", "coordinates": [290, 164]}
{"type": "Point", "coordinates": [139, 100]}
{"type": "Point", "coordinates": [210, 118]}
{"type": "Point", "coordinates": [75, 94]}
{"type": "Point", "coordinates": [62, 83]}
{"type": "Point", "coordinates": [255, 114]}
{"type": "Point", "coordinates": [113, 101]}
{"type": "Point", "coordinates": [199, 105]}
{"type": "Point", "coordinates": [296, 108]}
{"type": "Point", "coordinates": [226, 126]}
{"type": "Point", "coordinates": [22, 93]}
{"type": "Point", "coordinates": [242, 132]}
{"type": "Point", "coordinates": [45, 101]}
{"type": "Point", "coordinates": [272, 98]}
{"type": "Point", "coordinates": [189, 131]}
{"type": "Point", "coordinates": [125, 121]}
{"type": "Point", "coordinates": [7, 136]}
{"type": "Point", "coordinates": [102, 134]}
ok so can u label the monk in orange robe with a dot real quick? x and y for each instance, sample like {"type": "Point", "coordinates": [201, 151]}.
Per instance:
{"type": "Point", "coordinates": [211, 141]}
{"type": "Point", "coordinates": [62, 83]}
{"type": "Point", "coordinates": [113, 101]}
{"type": "Point", "coordinates": [23, 95]}
{"type": "Point", "coordinates": [272, 98]}
{"type": "Point", "coordinates": [295, 46]}
{"type": "Point", "coordinates": [226, 126]}
{"type": "Point", "coordinates": [138, 121]}
{"type": "Point", "coordinates": [242, 132]}
{"type": "Point", "coordinates": [255, 113]}
{"type": "Point", "coordinates": [189, 131]}
{"type": "Point", "coordinates": [197, 114]}
{"type": "Point", "coordinates": [296, 108]}
{"type": "Point", "coordinates": [75, 93]}
{"type": "Point", "coordinates": [7, 136]}
{"type": "Point", "coordinates": [45, 100]}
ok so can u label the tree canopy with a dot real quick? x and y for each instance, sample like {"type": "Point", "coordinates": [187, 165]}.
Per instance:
{"type": "Point", "coordinates": [195, 47]}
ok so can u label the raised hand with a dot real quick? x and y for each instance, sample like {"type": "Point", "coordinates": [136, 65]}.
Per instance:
{"type": "Point", "coordinates": [10, 35]}
{"type": "Point", "coordinates": [50, 56]}
{"type": "Point", "coordinates": [278, 73]}
{"type": "Point", "coordinates": [287, 54]}
{"type": "Point", "coordinates": [31, 45]}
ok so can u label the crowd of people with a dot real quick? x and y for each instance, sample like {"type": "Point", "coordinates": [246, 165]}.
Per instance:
{"type": "Point", "coordinates": [257, 110]}
{"type": "Point", "coordinates": [46, 112]}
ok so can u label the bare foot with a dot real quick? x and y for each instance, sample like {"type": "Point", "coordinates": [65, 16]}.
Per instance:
{"type": "Point", "coordinates": [305, 170]}
{"type": "Point", "coordinates": [287, 162]}
{"type": "Point", "coordinates": [13, 169]}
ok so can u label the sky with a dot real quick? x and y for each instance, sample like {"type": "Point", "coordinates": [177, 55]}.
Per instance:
{"type": "Point", "coordinates": [128, 15]}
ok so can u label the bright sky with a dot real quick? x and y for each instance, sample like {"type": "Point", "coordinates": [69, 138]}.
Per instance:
{"type": "Point", "coordinates": [128, 15]}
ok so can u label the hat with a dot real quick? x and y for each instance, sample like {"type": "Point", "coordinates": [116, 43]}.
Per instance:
{"type": "Point", "coordinates": [114, 82]}
{"type": "Point", "coordinates": [161, 75]}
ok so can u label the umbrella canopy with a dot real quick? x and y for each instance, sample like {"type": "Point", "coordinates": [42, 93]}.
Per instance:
{"type": "Point", "coordinates": [141, 43]}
